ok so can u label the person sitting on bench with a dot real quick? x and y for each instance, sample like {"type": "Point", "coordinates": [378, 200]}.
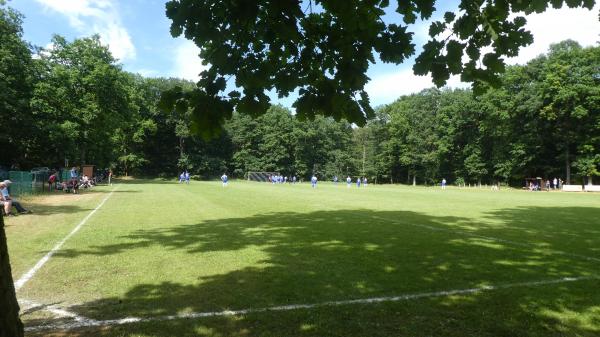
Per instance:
{"type": "Point", "coordinates": [85, 182]}
{"type": "Point", "coordinates": [8, 202]}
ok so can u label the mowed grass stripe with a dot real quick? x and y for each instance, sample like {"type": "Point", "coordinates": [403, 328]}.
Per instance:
{"type": "Point", "coordinates": [81, 322]}
{"type": "Point", "coordinates": [277, 258]}
{"type": "Point", "coordinates": [553, 310]}
{"type": "Point", "coordinates": [134, 210]}
{"type": "Point", "coordinates": [31, 236]}
{"type": "Point", "coordinates": [165, 249]}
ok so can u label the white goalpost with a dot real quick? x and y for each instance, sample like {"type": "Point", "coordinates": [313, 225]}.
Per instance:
{"type": "Point", "coordinates": [261, 176]}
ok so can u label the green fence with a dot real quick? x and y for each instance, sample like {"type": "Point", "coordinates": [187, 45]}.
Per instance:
{"type": "Point", "coordinates": [24, 182]}
{"type": "Point", "coordinates": [64, 175]}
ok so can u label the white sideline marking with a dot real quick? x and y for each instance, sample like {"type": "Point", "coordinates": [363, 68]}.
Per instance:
{"type": "Point", "coordinates": [86, 323]}
{"type": "Point", "coordinates": [27, 276]}
{"type": "Point", "coordinates": [59, 312]}
{"type": "Point", "coordinates": [514, 243]}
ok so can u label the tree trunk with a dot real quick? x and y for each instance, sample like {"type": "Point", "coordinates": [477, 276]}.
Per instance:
{"type": "Point", "coordinates": [82, 154]}
{"type": "Point", "coordinates": [181, 150]}
{"type": "Point", "coordinates": [567, 166]}
{"type": "Point", "coordinates": [414, 180]}
{"type": "Point", "coordinates": [364, 159]}
{"type": "Point", "coordinates": [10, 323]}
{"type": "Point", "coordinates": [83, 147]}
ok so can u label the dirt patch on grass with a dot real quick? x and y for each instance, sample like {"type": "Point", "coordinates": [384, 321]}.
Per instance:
{"type": "Point", "coordinates": [61, 198]}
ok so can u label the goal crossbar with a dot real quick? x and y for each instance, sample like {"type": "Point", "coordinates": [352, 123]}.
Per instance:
{"type": "Point", "coordinates": [262, 176]}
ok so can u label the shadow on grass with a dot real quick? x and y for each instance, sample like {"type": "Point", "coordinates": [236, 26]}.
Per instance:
{"type": "Point", "coordinates": [568, 228]}
{"type": "Point", "coordinates": [44, 209]}
{"type": "Point", "coordinates": [294, 258]}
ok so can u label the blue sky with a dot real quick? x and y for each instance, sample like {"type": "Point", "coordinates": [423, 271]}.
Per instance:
{"type": "Point", "coordinates": [137, 32]}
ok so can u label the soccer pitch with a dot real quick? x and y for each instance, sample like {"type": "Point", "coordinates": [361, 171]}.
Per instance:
{"type": "Point", "coordinates": [255, 259]}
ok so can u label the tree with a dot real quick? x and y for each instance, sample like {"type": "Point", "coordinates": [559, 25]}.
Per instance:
{"type": "Point", "coordinates": [588, 163]}
{"type": "Point", "coordinates": [15, 91]}
{"type": "Point", "coordinates": [134, 128]}
{"type": "Point", "coordinates": [570, 96]}
{"type": "Point", "coordinates": [172, 128]}
{"type": "Point", "coordinates": [16, 71]}
{"type": "Point", "coordinates": [82, 96]}
{"type": "Point", "coordinates": [325, 52]}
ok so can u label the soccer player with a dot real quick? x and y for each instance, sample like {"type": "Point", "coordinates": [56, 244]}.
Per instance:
{"type": "Point", "coordinates": [443, 183]}
{"type": "Point", "coordinates": [313, 181]}
{"type": "Point", "coordinates": [224, 179]}
{"type": "Point", "coordinates": [348, 181]}
{"type": "Point", "coordinates": [335, 180]}
{"type": "Point", "coordinates": [294, 179]}
{"type": "Point", "coordinates": [187, 177]}
{"type": "Point", "coordinates": [358, 182]}
{"type": "Point", "coordinates": [365, 182]}
{"type": "Point", "coordinates": [181, 177]}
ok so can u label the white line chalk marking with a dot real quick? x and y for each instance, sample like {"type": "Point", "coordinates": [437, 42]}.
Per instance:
{"type": "Point", "coordinates": [86, 323]}
{"type": "Point", "coordinates": [27, 276]}
{"type": "Point", "coordinates": [54, 309]}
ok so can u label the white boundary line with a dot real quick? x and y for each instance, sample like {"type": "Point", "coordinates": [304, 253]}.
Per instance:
{"type": "Point", "coordinates": [27, 276]}
{"type": "Point", "coordinates": [514, 243]}
{"type": "Point", "coordinates": [81, 322]}
{"type": "Point", "coordinates": [56, 310]}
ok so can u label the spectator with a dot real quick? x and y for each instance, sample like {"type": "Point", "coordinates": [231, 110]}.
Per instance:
{"type": "Point", "coordinates": [8, 202]}
{"type": "Point", "coordinates": [74, 175]}
{"type": "Point", "coordinates": [85, 182]}
{"type": "Point", "coordinates": [51, 181]}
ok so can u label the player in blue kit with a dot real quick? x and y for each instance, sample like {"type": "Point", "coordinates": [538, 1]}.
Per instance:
{"type": "Point", "coordinates": [224, 179]}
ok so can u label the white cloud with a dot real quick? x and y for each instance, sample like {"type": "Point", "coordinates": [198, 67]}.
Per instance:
{"type": "Point", "coordinates": [147, 72]}
{"type": "Point", "coordinates": [96, 17]}
{"type": "Point", "coordinates": [387, 88]}
{"type": "Point", "coordinates": [555, 25]}
{"type": "Point", "coordinates": [187, 63]}
{"type": "Point", "coordinates": [550, 27]}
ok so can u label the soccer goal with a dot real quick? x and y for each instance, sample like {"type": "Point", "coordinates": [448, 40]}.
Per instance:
{"type": "Point", "coordinates": [261, 176]}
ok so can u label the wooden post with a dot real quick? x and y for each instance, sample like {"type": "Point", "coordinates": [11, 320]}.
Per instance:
{"type": "Point", "coordinates": [10, 323]}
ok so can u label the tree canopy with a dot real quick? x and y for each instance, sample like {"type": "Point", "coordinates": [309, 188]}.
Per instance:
{"type": "Point", "coordinates": [323, 49]}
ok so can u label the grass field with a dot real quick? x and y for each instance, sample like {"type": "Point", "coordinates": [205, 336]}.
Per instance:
{"type": "Point", "coordinates": [419, 261]}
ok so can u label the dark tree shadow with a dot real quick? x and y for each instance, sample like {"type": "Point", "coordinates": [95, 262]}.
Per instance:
{"type": "Point", "coordinates": [573, 229]}
{"type": "Point", "coordinates": [350, 254]}
{"type": "Point", "coordinates": [45, 209]}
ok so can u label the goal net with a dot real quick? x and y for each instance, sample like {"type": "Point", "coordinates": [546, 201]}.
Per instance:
{"type": "Point", "coordinates": [261, 176]}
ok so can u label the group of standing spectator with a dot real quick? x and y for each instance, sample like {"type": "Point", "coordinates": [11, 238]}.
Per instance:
{"type": "Point", "coordinates": [554, 184]}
